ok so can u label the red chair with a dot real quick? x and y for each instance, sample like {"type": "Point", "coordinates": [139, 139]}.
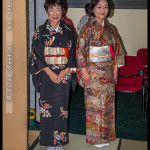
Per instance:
{"type": "Point", "coordinates": [143, 54]}
{"type": "Point", "coordinates": [130, 77]}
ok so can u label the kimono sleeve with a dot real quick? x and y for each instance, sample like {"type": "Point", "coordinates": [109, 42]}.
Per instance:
{"type": "Point", "coordinates": [37, 61]}
{"type": "Point", "coordinates": [119, 58]}
{"type": "Point", "coordinates": [72, 62]}
{"type": "Point", "coordinates": [82, 47]}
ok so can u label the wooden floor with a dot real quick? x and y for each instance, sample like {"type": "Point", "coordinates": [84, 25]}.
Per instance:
{"type": "Point", "coordinates": [77, 142]}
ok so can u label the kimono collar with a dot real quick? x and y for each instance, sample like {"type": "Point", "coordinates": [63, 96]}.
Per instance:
{"type": "Point", "coordinates": [52, 29]}
{"type": "Point", "coordinates": [103, 23]}
{"type": "Point", "coordinates": [95, 22]}
{"type": "Point", "coordinates": [97, 25]}
{"type": "Point", "coordinates": [56, 29]}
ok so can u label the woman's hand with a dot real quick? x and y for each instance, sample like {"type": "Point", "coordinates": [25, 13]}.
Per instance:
{"type": "Point", "coordinates": [63, 74]}
{"type": "Point", "coordinates": [115, 72]}
{"type": "Point", "coordinates": [85, 77]}
{"type": "Point", "coordinates": [51, 74]}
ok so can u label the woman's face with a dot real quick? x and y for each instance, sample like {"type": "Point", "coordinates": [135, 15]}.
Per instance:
{"type": "Point", "coordinates": [54, 14]}
{"type": "Point", "coordinates": [101, 10]}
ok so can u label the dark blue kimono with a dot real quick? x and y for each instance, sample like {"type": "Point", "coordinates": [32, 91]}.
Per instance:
{"type": "Point", "coordinates": [54, 98]}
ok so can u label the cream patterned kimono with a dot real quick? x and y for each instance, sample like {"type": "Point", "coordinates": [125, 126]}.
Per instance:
{"type": "Point", "coordinates": [100, 94]}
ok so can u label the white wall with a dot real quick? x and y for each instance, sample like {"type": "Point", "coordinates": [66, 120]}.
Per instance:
{"type": "Point", "coordinates": [131, 25]}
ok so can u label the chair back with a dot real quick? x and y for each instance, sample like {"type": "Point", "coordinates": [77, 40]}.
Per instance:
{"type": "Point", "coordinates": [143, 54]}
{"type": "Point", "coordinates": [132, 65]}
{"type": "Point", "coordinates": [128, 77]}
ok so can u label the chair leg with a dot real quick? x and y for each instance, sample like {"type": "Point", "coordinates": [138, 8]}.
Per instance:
{"type": "Point", "coordinates": [133, 97]}
{"type": "Point", "coordinates": [143, 102]}
{"type": "Point", "coordinates": [146, 102]}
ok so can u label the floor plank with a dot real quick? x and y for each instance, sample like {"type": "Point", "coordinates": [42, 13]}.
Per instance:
{"type": "Point", "coordinates": [133, 145]}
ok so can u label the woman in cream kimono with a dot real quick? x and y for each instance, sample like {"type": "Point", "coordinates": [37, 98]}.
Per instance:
{"type": "Point", "coordinates": [99, 54]}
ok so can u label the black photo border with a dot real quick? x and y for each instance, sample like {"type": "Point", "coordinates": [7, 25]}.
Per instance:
{"type": "Point", "coordinates": [118, 4]}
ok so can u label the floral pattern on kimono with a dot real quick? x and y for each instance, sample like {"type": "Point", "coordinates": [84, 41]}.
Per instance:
{"type": "Point", "coordinates": [53, 97]}
{"type": "Point", "coordinates": [100, 93]}
{"type": "Point", "coordinates": [58, 137]}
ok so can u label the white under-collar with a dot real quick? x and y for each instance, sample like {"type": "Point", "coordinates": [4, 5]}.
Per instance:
{"type": "Point", "coordinates": [103, 23]}
{"type": "Point", "coordinates": [56, 29]}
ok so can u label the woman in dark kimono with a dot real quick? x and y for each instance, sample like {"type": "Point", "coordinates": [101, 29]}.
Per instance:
{"type": "Point", "coordinates": [51, 59]}
{"type": "Point", "coordinates": [99, 54]}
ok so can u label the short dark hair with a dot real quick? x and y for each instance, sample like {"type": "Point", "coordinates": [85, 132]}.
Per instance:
{"type": "Point", "coordinates": [94, 3]}
{"type": "Point", "coordinates": [87, 7]}
{"type": "Point", "coordinates": [65, 4]}
{"type": "Point", "coordinates": [52, 3]}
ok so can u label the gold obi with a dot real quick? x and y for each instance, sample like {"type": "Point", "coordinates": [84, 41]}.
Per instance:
{"type": "Point", "coordinates": [56, 55]}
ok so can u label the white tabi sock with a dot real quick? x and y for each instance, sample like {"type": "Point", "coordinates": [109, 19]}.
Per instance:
{"type": "Point", "coordinates": [59, 148]}
{"type": "Point", "coordinates": [101, 145]}
{"type": "Point", "coordinates": [50, 148]}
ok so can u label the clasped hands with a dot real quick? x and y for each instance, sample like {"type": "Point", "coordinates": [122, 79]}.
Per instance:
{"type": "Point", "coordinates": [86, 77]}
{"type": "Point", "coordinates": [54, 77]}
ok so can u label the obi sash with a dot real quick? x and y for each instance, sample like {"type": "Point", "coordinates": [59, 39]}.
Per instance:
{"type": "Point", "coordinates": [100, 54]}
{"type": "Point", "coordinates": [56, 55]}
